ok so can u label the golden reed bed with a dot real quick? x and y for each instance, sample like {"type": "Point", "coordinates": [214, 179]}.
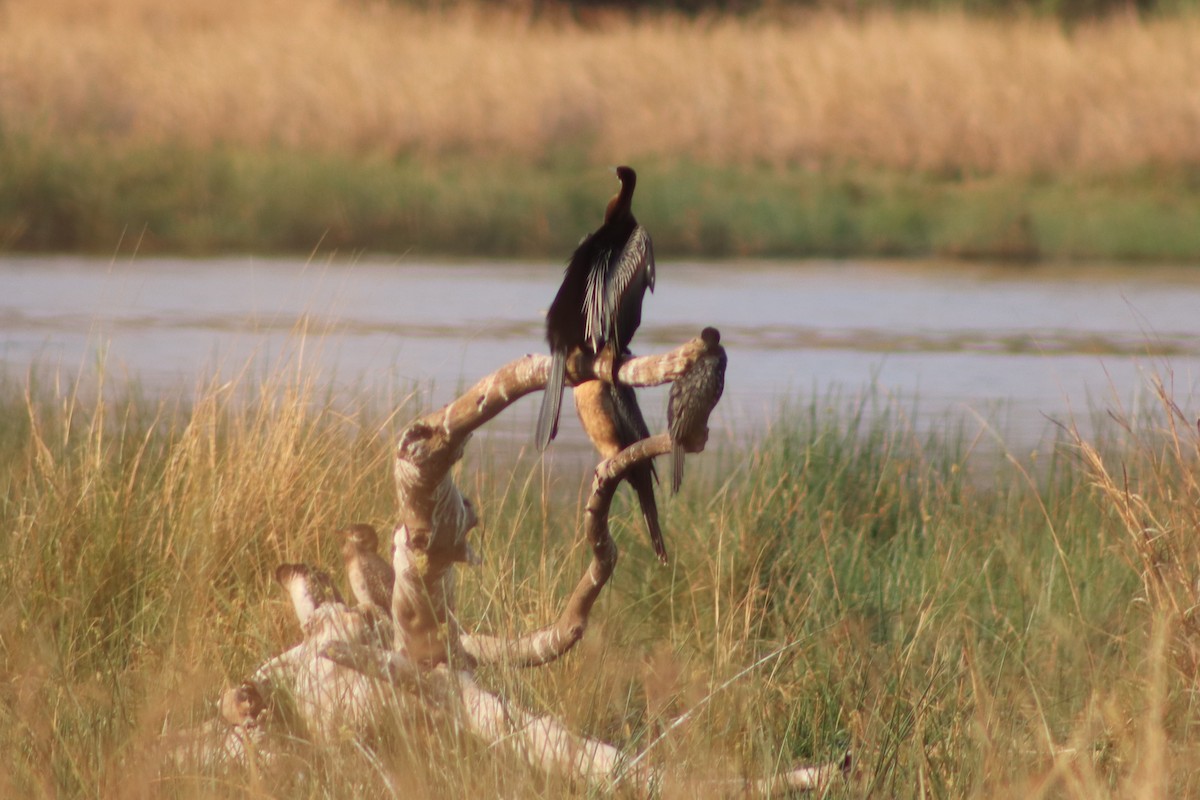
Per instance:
{"type": "Point", "coordinates": [906, 91]}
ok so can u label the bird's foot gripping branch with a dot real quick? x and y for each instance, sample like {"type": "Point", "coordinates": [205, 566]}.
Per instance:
{"type": "Point", "coordinates": [355, 661]}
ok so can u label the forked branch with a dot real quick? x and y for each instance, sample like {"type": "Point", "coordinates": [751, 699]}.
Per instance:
{"type": "Point", "coordinates": [495, 392]}
{"type": "Point", "coordinates": [348, 654]}
{"type": "Point", "coordinates": [551, 642]}
{"type": "Point", "coordinates": [434, 517]}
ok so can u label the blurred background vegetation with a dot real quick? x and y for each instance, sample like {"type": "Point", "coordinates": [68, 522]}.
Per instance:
{"type": "Point", "coordinates": [1067, 10]}
{"type": "Point", "coordinates": [1005, 130]}
{"type": "Point", "coordinates": [1062, 9]}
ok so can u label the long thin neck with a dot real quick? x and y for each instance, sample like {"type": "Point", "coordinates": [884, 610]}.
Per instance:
{"type": "Point", "coordinates": [622, 201]}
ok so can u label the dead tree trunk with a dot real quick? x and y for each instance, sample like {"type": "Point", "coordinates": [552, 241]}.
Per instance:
{"type": "Point", "coordinates": [434, 518]}
{"type": "Point", "coordinates": [336, 674]}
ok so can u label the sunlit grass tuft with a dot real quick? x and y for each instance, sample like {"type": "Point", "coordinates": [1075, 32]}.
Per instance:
{"type": "Point", "coordinates": [142, 534]}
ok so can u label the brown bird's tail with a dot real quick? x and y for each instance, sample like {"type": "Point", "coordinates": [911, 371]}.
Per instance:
{"type": "Point", "coordinates": [676, 467]}
{"type": "Point", "coordinates": [547, 423]}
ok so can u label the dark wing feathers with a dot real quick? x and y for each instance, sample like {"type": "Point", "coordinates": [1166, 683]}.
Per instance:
{"type": "Point", "coordinates": [596, 307]}
{"type": "Point", "coordinates": [615, 285]}
{"type": "Point", "coordinates": [631, 425]}
{"type": "Point", "coordinates": [626, 284]}
{"type": "Point", "coordinates": [547, 423]}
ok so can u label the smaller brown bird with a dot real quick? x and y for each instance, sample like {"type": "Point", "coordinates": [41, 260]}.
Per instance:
{"type": "Point", "coordinates": [371, 577]}
{"type": "Point", "coordinates": [693, 397]}
{"type": "Point", "coordinates": [613, 421]}
{"type": "Point", "coordinates": [309, 588]}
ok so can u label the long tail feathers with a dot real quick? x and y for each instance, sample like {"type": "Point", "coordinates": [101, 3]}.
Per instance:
{"type": "Point", "coordinates": [641, 478]}
{"type": "Point", "coordinates": [631, 427]}
{"type": "Point", "coordinates": [547, 423]}
{"type": "Point", "coordinates": [676, 467]}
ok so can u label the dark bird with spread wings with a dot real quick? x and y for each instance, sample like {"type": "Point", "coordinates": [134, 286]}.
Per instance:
{"type": "Point", "coordinates": [600, 301]}
{"type": "Point", "coordinates": [613, 420]}
{"type": "Point", "coordinates": [693, 397]}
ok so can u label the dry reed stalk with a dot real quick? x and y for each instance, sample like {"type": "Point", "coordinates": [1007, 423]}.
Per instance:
{"type": "Point", "coordinates": [921, 91]}
{"type": "Point", "coordinates": [1158, 512]}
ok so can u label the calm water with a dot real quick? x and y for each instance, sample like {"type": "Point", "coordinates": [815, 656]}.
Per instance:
{"type": "Point", "coordinates": [1015, 347]}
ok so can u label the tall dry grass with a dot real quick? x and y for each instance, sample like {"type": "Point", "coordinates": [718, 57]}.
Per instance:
{"type": "Point", "coordinates": [971, 628]}
{"type": "Point", "coordinates": [137, 536]}
{"type": "Point", "coordinates": [923, 91]}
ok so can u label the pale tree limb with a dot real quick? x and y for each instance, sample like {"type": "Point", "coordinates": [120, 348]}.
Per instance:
{"type": "Point", "coordinates": [494, 393]}
{"type": "Point", "coordinates": [551, 642]}
{"type": "Point", "coordinates": [346, 667]}
{"type": "Point", "coordinates": [800, 779]}
{"type": "Point", "coordinates": [374, 662]}
{"type": "Point", "coordinates": [218, 745]}
{"type": "Point", "coordinates": [431, 537]}
{"type": "Point", "coordinates": [328, 696]}
{"type": "Point", "coordinates": [546, 743]}
{"type": "Point", "coordinates": [434, 517]}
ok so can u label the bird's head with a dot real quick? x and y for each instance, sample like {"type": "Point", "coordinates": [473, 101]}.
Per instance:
{"type": "Point", "coordinates": [626, 176]}
{"type": "Point", "coordinates": [361, 536]}
{"type": "Point", "coordinates": [623, 199]}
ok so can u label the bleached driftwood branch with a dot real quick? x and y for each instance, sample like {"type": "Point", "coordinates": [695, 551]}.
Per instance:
{"type": "Point", "coordinates": [350, 662]}
{"type": "Point", "coordinates": [434, 518]}
{"type": "Point", "coordinates": [541, 739]}
{"type": "Point", "coordinates": [549, 643]}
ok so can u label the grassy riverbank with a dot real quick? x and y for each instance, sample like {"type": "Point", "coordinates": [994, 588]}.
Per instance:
{"type": "Point", "coordinates": [283, 126]}
{"type": "Point", "coordinates": [168, 200]}
{"type": "Point", "coordinates": [973, 628]}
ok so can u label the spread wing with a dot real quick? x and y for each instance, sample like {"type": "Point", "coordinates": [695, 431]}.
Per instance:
{"type": "Point", "coordinates": [596, 310]}
{"type": "Point", "coordinates": [614, 276]}
{"type": "Point", "coordinates": [634, 270]}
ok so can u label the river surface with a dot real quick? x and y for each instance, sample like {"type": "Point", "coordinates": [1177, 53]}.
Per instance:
{"type": "Point", "coordinates": [1008, 349]}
